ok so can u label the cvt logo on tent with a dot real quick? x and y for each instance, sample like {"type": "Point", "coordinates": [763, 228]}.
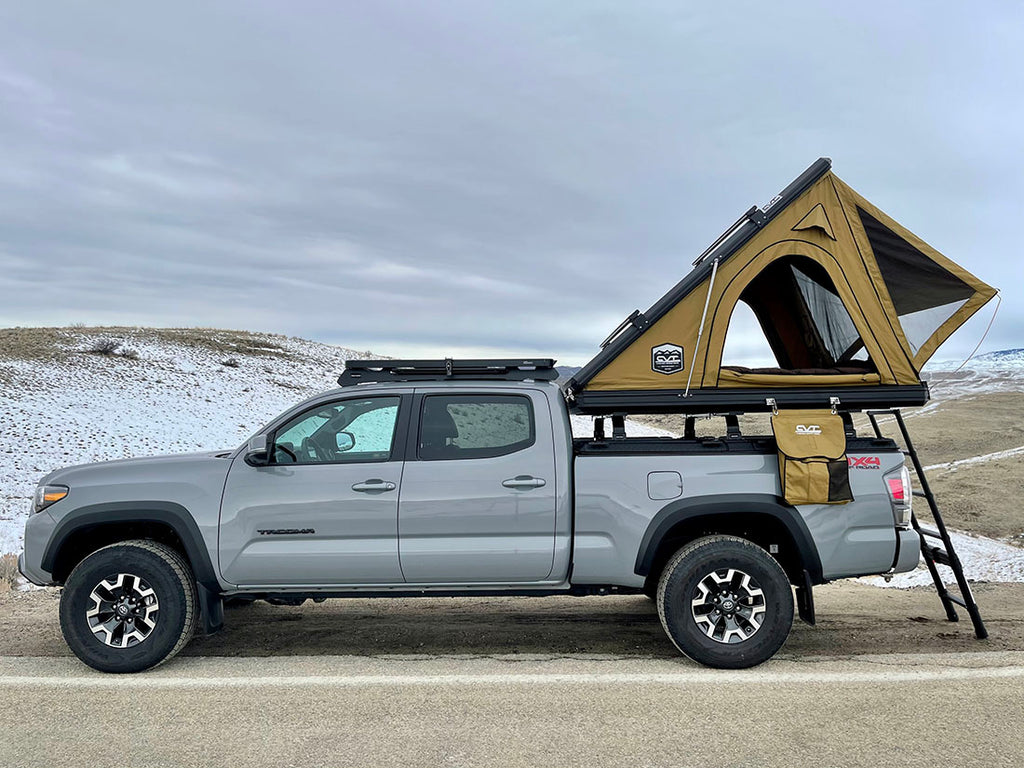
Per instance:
{"type": "Point", "coordinates": [667, 358]}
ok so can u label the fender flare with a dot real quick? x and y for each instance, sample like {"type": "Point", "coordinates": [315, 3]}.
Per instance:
{"type": "Point", "coordinates": [173, 515]}
{"type": "Point", "coordinates": [727, 505]}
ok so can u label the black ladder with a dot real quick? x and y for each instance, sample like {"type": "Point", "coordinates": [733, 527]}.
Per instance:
{"type": "Point", "coordinates": [935, 555]}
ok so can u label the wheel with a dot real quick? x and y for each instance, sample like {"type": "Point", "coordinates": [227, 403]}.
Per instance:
{"type": "Point", "coordinates": [725, 602]}
{"type": "Point", "coordinates": [129, 606]}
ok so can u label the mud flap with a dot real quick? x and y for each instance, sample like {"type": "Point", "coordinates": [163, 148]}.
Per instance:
{"type": "Point", "coordinates": [211, 610]}
{"type": "Point", "coordinates": [805, 600]}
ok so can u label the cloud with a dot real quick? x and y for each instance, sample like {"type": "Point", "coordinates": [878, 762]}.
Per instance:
{"type": "Point", "coordinates": [461, 175]}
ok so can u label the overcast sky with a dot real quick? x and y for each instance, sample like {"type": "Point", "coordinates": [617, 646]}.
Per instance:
{"type": "Point", "coordinates": [439, 178]}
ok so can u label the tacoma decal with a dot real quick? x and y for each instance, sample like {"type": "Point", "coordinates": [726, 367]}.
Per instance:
{"type": "Point", "coordinates": [667, 358]}
{"type": "Point", "coordinates": [284, 531]}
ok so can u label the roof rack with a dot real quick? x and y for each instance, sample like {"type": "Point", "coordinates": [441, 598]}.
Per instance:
{"type": "Point", "coordinates": [361, 371]}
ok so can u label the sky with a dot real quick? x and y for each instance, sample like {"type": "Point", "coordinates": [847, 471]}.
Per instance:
{"type": "Point", "coordinates": [477, 178]}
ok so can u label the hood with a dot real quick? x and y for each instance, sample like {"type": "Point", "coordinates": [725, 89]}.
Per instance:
{"type": "Point", "coordinates": [139, 467]}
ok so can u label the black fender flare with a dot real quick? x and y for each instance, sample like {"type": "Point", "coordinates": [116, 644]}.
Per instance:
{"type": "Point", "coordinates": [173, 515]}
{"type": "Point", "coordinates": [727, 505]}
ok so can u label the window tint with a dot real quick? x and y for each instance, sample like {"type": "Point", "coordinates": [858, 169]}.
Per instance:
{"type": "Point", "coordinates": [474, 426]}
{"type": "Point", "coordinates": [348, 431]}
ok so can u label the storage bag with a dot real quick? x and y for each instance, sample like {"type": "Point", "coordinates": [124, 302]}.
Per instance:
{"type": "Point", "coordinates": [813, 467]}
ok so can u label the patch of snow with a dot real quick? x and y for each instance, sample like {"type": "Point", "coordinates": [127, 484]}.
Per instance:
{"type": "Point", "coordinates": [983, 559]}
{"type": "Point", "coordinates": [950, 466]}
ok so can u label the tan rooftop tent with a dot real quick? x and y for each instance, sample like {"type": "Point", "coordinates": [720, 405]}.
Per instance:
{"type": "Point", "coordinates": [852, 305]}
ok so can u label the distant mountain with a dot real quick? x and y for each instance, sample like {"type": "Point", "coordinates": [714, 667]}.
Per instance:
{"type": "Point", "coordinates": [1000, 360]}
{"type": "Point", "coordinates": [566, 372]}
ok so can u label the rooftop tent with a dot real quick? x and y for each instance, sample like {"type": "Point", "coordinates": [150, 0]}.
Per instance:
{"type": "Point", "coordinates": [851, 305]}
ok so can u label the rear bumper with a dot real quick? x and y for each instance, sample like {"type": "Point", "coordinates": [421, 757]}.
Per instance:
{"type": "Point", "coordinates": [908, 551]}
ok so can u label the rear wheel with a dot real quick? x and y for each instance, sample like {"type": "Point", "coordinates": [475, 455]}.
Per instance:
{"type": "Point", "coordinates": [129, 606]}
{"type": "Point", "coordinates": [725, 602]}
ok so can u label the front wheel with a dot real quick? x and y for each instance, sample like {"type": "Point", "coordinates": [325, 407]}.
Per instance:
{"type": "Point", "coordinates": [129, 606]}
{"type": "Point", "coordinates": [725, 602]}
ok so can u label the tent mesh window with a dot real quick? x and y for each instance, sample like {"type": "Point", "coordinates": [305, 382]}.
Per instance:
{"type": "Point", "coordinates": [924, 294]}
{"type": "Point", "coordinates": [804, 320]}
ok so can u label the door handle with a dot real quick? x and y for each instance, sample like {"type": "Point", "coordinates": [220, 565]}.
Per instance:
{"type": "Point", "coordinates": [369, 486]}
{"type": "Point", "coordinates": [524, 481]}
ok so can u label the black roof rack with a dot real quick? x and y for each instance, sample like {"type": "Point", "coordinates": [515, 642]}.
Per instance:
{"type": "Point", "coordinates": [360, 371]}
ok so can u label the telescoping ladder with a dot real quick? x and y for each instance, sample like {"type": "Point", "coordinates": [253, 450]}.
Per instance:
{"type": "Point", "coordinates": [935, 555]}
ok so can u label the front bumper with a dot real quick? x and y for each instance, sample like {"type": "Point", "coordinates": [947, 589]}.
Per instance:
{"type": "Point", "coordinates": [38, 530]}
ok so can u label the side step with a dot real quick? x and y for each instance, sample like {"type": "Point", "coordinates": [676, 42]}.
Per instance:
{"type": "Point", "coordinates": [935, 554]}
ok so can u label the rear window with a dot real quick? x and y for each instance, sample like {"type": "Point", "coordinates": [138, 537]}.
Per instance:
{"type": "Point", "coordinates": [474, 426]}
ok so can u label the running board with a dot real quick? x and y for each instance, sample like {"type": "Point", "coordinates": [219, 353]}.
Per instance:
{"type": "Point", "coordinates": [935, 555]}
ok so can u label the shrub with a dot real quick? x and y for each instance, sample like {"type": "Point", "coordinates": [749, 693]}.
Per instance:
{"type": "Point", "coordinates": [8, 572]}
{"type": "Point", "coordinates": [105, 347]}
{"type": "Point", "coordinates": [231, 362]}
{"type": "Point", "coordinates": [128, 353]}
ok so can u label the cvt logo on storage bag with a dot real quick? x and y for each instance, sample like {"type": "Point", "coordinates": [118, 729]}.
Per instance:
{"type": "Point", "coordinates": [667, 358]}
{"type": "Point", "coordinates": [808, 429]}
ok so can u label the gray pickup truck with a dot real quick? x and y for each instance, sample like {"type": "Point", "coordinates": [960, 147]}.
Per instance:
{"type": "Point", "coordinates": [455, 486]}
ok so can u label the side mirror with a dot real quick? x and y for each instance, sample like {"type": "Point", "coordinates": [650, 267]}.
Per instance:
{"type": "Point", "coordinates": [257, 453]}
{"type": "Point", "coordinates": [346, 441]}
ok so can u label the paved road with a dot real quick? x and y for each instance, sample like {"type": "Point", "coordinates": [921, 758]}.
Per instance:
{"type": "Point", "coordinates": [517, 710]}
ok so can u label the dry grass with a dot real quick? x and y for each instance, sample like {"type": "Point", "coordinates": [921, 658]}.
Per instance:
{"type": "Point", "coordinates": [32, 343]}
{"type": "Point", "coordinates": [57, 344]}
{"type": "Point", "coordinates": [8, 572]}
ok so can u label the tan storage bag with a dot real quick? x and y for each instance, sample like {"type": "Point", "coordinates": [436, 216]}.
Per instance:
{"type": "Point", "coordinates": [812, 457]}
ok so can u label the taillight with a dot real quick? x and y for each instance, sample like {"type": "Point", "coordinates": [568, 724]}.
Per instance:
{"type": "Point", "coordinates": [897, 489]}
{"type": "Point", "coordinates": [900, 495]}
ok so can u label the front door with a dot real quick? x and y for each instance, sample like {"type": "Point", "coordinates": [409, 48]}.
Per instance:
{"type": "Point", "coordinates": [478, 496]}
{"type": "Point", "coordinates": [325, 511]}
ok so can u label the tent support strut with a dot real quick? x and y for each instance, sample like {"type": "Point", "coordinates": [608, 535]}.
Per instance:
{"type": "Point", "coordinates": [700, 330]}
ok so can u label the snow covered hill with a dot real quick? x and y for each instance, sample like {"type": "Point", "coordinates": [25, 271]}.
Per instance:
{"type": "Point", "coordinates": [76, 395]}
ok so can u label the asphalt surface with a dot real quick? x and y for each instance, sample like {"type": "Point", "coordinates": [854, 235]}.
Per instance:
{"type": "Point", "coordinates": [517, 710]}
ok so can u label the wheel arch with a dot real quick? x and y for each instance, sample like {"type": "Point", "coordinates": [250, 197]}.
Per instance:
{"type": "Point", "coordinates": [85, 529]}
{"type": "Point", "coordinates": [761, 518]}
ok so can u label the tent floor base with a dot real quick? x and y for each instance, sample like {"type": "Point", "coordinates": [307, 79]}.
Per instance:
{"type": "Point", "coordinates": [746, 400]}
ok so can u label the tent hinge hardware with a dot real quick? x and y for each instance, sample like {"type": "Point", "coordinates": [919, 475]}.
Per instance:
{"type": "Point", "coordinates": [770, 402]}
{"type": "Point", "coordinates": [638, 320]}
{"type": "Point", "coordinates": [448, 366]}
{"type": "Point", "coordinates": [833, 403]}
{"type": "Point", "coordinates": [755, 216]}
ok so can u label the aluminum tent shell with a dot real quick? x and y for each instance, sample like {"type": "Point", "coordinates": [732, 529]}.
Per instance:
{"type": "Point", "coordinates": [850, 302]}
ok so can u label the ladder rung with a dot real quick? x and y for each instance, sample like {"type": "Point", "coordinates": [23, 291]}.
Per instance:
{"type": "Point", "coordinates": [929, 532]}
{"type": "Point", "coordinates": [940, 556]}
{"type": "Point", "coordinates": [906, 453]}
{"type": "Point", "coordinates": [919, 494]}
{"type": "Point", "coordinates": [957, 600]}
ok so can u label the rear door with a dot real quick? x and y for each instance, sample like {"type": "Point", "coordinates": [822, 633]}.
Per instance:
{"type": "Point", "coordinates": [478, 489]}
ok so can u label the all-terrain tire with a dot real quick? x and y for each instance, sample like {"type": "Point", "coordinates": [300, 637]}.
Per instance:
{"type": "Point", "coordinates": [138, 567]}
{"type": "Point", "coordinates": [719, 576]}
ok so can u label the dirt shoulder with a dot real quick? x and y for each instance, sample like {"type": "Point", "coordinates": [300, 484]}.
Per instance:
{"type": "Point", "coordinates": [853, 619]}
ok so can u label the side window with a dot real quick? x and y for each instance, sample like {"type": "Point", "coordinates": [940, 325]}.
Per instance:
{"type": "Point", "coordinates": [475, 426]}
{"type": "Point", "coordinates": [347, 431]}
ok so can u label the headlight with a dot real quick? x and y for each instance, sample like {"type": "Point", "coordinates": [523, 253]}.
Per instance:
{"type": "Point", "coordinates": [49, 494]}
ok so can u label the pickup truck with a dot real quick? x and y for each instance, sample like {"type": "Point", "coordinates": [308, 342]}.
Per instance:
{"type": "Point", "coordinates": [455, 487]}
